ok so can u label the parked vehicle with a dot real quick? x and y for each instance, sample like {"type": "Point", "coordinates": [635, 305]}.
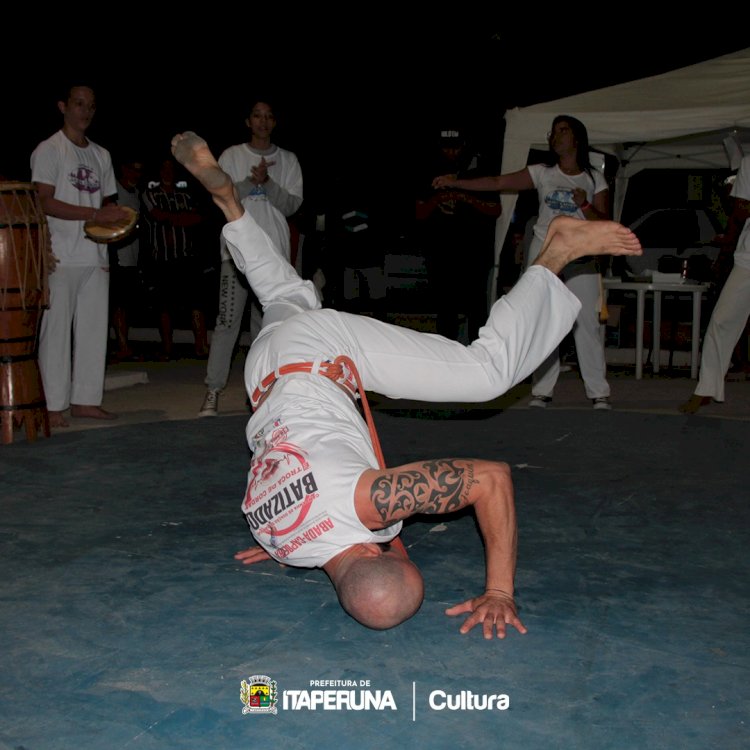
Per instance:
{"type": "Point", "coordinates": [668, 237]}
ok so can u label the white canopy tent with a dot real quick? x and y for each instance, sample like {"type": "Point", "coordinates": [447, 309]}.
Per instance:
{"type": "Point", "coordinates": [693, 117]}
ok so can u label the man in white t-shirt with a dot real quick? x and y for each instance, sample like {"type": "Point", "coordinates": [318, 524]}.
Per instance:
{"type": "Point", "coordinates": [732, 309]}
{"type": "Point", "coordinates": [76, 182]}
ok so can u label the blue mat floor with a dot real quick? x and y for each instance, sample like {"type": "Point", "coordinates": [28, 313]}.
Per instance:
{"type": "Point", "coordinates": [126, 623]}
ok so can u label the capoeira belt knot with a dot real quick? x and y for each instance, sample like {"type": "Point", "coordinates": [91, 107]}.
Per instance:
{"type": "Point", "coordinates": [342, 371]}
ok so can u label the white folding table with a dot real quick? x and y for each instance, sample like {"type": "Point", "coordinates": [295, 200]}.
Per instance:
{"type": "Point", "coordinates": [641, 288]}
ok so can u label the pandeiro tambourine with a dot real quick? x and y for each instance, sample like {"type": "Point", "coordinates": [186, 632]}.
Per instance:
{"type": "Point", "coordinates": [114, 231]}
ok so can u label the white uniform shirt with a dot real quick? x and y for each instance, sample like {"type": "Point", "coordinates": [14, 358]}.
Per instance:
{"type": "Point", "coordinates": [741, 189]}
{"type": "Point", "coordinates": [82, 177]}
{"type": "Point", "coordinates": [269, 207]}
{"type": "Point", "coordinates": [310, 446]}
{"type": "Point", "coordinates": [555, 190]}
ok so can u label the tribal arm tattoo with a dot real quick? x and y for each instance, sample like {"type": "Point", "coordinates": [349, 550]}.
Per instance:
{"type": "Point", "coordinates": [439, 486]}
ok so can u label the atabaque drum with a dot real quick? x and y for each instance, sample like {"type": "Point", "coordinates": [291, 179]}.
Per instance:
{"type": "Point", "coordinates": [24, 293]}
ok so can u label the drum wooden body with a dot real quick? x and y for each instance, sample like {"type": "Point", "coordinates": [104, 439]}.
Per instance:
{"type": "Point", "coordinates": [24, 253]}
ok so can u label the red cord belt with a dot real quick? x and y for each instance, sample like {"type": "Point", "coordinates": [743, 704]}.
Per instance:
{"type": "Point", "coordinates": [341, 371]}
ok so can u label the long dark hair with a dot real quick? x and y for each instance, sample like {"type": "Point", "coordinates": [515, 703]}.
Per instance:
{"type": "Point", "coordinates": [582, 143]}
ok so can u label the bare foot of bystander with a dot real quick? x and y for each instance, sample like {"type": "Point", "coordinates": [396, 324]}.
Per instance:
{"type": "Point", "coordinates": [57, 419]}
{"type": "Point", "coordinates": [694, 403]}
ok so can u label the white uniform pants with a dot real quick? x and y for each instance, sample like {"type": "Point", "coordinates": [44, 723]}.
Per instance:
{"type": "Point", "coordinates": [73, 337]}
{"type": "Point", "coordinates": [233, 297]}
{"type": "Point", "coordinates": [523, 327]}
{"type": "Point", "coordinates": [728, 320]}
{"type": "Point", "coordinates": [587, 335]}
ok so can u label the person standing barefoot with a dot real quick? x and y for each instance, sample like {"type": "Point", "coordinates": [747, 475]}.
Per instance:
{"type": "Point", "coordinates": [76, 183]}
{"type": "Point", "coordinates": [732, 309]}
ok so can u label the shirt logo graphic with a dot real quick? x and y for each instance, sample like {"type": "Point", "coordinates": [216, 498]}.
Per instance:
{"type": "Point", "coordinates": [84, 179]}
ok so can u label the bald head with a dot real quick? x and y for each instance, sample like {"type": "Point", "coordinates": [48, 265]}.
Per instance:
{"type": "Point", "coordinates": [380, 592]}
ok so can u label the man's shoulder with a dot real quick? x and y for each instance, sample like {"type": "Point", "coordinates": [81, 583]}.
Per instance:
{"type": "Point", "coordinates": [53, 142]}
{"type": "Point", "coordinates": [47, 158]}
{"type": "Point", "coordinates": [58, 142]}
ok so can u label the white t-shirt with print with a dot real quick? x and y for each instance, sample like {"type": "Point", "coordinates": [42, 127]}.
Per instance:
{"type": "Point", "coordinates": [82, 177]}
{"type": "Point", "coordinates": [555, 190]}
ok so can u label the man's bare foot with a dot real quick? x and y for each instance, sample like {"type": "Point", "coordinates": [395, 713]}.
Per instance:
{"type": "Point", "coordinates": [569, 239]}
{"type": "Point", "coordinates": [193, 153]}
{"type": "Point", "coordinates": [57, 419]}
{"type": "Point", "coordinates": [694, 403]}
{"type": "Point", "coordinates": [81, 411]}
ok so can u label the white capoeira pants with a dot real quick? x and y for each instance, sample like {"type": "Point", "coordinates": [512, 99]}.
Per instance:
{"type": "Point", "coordinates": [589, 343]}
{"type": "Point", "coordinates": [522, 329]}
{"type": "Point", "coordinates": [587, 336]}
{"type": "Point", "coordinates": [73, 337]}
{"type": "Point", "coordinates": [725, 327]}
{"type": "Point", "coordinates": [233, 298]}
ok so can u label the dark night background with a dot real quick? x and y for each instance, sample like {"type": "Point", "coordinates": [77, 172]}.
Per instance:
{"type": "Point", "coordinates": [359, 94]}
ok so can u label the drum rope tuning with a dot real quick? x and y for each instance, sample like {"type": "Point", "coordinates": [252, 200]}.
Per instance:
{"type": "Point", "coordinates": [24, 248]}
{"type": "Point", "coordinates": [24, 293]}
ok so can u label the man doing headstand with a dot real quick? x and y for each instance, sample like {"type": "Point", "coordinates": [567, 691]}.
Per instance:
{"type": "Point", "coordinates": [317, 494]}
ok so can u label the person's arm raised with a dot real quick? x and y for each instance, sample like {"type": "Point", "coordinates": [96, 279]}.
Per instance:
{"type": "Point", "coordinates": [520, 180]}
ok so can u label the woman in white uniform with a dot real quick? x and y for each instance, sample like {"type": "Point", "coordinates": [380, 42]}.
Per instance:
{"type": "Point", "coordinates": [567, 186]}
